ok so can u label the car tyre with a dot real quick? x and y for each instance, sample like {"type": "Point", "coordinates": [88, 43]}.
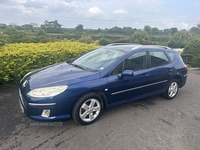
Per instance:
{"type": "Point", "coordinates": [172, 89]}
{"type": "Point", "coordinates": [87, 109]}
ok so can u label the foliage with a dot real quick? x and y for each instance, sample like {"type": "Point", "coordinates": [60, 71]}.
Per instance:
{"type": "Point", "coordinates": [3, 39]}
{"type": "Point", "coordinates": [86, 39]}
{"type": "Point", "coordinates": [3, 26]}
{"type": "Point", "coordinates": [156, 31]}
{"type": "Point", "coordinates": [28, 27]}
{"type": "Point", "coordinates": [41, 33]}
{"type": "Point", "coordinates": [104, 41]}
{"type": "Point", "coordinates": [79, 28]}
{"type": "Point", "coordinates": [148, 29]}
{"type": "Point", "coordinates": [193, 48]}
{"type": "Point", "coordinates": [124, 40]}
{"type": "Point", "coordinates": [13, 35]}
{"type": "Point", "coordinates": [160, 40]}
{"type": "Point", "coordinates": [180, 39]}
{"type": "Point", "coordinates": [141, 36]}
{"type": "Point", "coordinates": [51, 27]}
{"type": "Point", "coordinates": [173, 30]}
{"type": "Point", "coordinates": [195, 30]}
{"type": "Point", "coordinates": [53, 31]}
{"type": "Point", "coordinates": [19, 59]}
{"type": "Point", "coordinates": [128, 30]}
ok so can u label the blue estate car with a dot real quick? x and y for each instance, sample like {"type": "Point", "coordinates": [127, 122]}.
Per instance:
{"type": "Point", "coordinates": [112, 75]}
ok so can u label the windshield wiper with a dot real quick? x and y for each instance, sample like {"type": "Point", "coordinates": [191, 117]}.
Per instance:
{"type": "Point", "coordinates": [77, 66]}
{"type": "Point", "coordinates": [70, 61]}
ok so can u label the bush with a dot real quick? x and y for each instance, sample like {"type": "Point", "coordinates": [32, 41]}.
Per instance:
{"type": "Point", "coordinates": [124, 40]}
{"type": "Point", "coordinates": [3, 39]}
{"type": "Point", "coordinates": [86, 39]}
{"type": "Point", "coordinates": [19, 59]}
{"type": "Point", "coordinates": [140, 36]}
{"type": "Point", "coordinates": [180, 39]}
{"type": "Point", "coordinates": [104, 41]}
{"type": "Point", "coordinates": [193, 49]}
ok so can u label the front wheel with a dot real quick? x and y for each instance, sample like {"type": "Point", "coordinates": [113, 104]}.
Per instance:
{"type": "Point", "coordinates": [172, 89]}
{"type": "Point", "coordinates": [87, 109]}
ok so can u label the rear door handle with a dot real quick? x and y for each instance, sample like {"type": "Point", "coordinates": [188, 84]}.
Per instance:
{"type": "Point", "coordinates": [170, 70]}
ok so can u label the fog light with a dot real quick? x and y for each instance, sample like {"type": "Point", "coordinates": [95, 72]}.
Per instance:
{"type": "Point", "coordinates": [45, 113]}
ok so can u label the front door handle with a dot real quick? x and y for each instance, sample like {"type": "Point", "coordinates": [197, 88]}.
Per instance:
{"type": "Point", "coordinates": [145, 75]}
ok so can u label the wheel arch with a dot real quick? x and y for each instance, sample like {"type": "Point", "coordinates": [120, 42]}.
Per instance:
{"type": "Point", "coordinates": [179, 79]}
{"type": "Point", "coordinates": [100, 93]}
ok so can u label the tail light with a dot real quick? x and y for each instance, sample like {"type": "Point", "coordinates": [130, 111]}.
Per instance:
{"type": "Point", "coordinates": [186, 67]}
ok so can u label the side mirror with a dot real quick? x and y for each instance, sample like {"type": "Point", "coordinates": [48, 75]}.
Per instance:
{"type": "Point", "coordinates": [126, 73]}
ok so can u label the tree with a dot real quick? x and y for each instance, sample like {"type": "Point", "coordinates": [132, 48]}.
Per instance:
{"type": "Point", "coordinates": [198, 25]}
{"type": "Point", "coordinates": [28, 27]}
{"type": "Point", "coordinates": [148, 29]}
{"type": "Point", "coordinates": [193, 49]}
{"type": "Point", "coordinates": [155, 31]}
{"type": "Point", "coordinates": [14, 25]}
{"type": "Point", "coordinates": [173, 30]}
{"type": "Point", "coordinates": [3, 39]}
{"type": "Point", "coordinates": [180, 39]}
{"type": "Point", "coordinates": [13, 35]}
{"type": "Point", "coordinates": [140, 36]}
{"type": "Point", "coordinates": [167, 31]}
{"type": "Point", "coordinates": [52, 27]}
{"type": "Point", "coordinates": [115, 30]}
{"type": "Point", "coordinates": [128, 30]}
{"type": "Point", "coordinates": [104, 41]}
{"type": "Point", "coordinates": [79, 28]}
{"type": "Point", "coordinates": [195, 30]}
{"type": "Point", "coordinates": [3, 26]}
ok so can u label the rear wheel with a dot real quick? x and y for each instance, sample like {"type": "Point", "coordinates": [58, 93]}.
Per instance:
{"type": "Point", "coordinates": [172, 89]}
{"type": "Point", "coordinates": [87, 109]}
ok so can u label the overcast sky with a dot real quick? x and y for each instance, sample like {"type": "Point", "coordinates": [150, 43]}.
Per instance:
{"type": "Point", "coordinates": [94, 14]}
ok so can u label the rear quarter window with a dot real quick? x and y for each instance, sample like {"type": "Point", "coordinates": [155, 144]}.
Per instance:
{"type": "Point", "coordinates": [171, 56]}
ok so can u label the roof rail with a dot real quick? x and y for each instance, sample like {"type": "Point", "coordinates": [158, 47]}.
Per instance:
{"type": "Point", "coordinates": [159, 46]}
{"type": "Point", "coordinates": [115, 44]}
{"type": "Point", "coordinates": [165, 47]}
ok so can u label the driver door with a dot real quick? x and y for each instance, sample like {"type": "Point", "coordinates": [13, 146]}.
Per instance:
{"type": "Point", "coordinates": [127, 88]}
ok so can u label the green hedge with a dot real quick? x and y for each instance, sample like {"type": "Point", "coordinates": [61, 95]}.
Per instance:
{"type": "Point", "coordinates": [18, 59]}
{"type": "Point", "coordinates": [193, 49]}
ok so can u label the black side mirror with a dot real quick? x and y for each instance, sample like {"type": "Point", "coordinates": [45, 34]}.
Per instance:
{"type": "Point", "coordinates": [126, 73]}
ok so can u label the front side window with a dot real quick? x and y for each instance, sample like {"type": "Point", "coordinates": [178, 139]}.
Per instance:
{"type": "Point", "coordinates": [134, 62]}
{"type": "Point", "coordinates": [158, 59]}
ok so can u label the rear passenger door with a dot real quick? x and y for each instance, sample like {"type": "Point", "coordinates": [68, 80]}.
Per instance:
{"type": "Point", "coordinates": [160, 70]}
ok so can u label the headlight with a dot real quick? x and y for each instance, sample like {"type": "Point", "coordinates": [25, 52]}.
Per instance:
{"type": "Point", "coordinates": [47, 91]}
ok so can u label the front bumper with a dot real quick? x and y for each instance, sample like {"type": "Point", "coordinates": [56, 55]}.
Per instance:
{"type": "Point", "coordinates": [58, 111]}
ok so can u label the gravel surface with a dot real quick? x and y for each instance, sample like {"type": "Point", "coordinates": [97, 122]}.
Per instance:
{"type": "Point", "coordinates": [149, 124]}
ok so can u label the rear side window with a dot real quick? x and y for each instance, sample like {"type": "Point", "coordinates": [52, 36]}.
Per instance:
{"type": "Point", "coordinates": [171, 55]}
{"type": "Point", "coordinates": [158, 59]}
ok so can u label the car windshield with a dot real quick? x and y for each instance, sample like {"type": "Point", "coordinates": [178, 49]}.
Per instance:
{"type": "Point", "coordinates": [97, 60]}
